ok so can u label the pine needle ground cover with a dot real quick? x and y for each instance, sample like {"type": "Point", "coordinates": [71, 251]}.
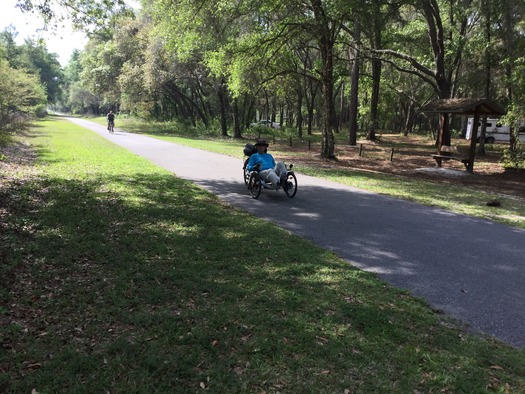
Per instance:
{"type": "Point", "coordinates": [117, 276]}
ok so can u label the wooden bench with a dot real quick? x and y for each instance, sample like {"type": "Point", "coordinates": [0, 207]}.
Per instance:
{"type": "Point", "coordinates": [449, 153]}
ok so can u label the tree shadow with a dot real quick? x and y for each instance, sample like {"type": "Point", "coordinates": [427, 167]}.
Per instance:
{"type": "Point", "coordinates": [150, 280]}
{"type": "Point", "coordinates": [436, 254]}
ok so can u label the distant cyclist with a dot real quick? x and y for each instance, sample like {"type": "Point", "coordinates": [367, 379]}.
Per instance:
{"type": "Point", "coordinates": [111, 121]}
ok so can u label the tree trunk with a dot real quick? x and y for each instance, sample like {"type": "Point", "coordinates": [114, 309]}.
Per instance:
{"type": "Point", "coordinates": [223, 105]}
{"type": "Point", "coordinates": [249, 112]}
{"type": "Point", "coordinates": [310, 92]}
{"type": "Point", "coordinates": [354, 89]}
{"type": "Point", "coordinates": [374, 102]}
{"type": "Point", "coordinates": [299, 123]}
{"type": "Point", "coordinates": [326, 46]}
{"type": "Point", "coordinates": [510, 55]}
{"type": "Point", "coordinates": [376, 70]}
{"type": "Point", "coordinates": [437, 42]}
{"type": "Point", "coordinates": [409, 119]}
{"type": "Point", "coordinates": [486, 13]}
{"type": "Point", "coordinates": [267, 106]}
{"type": "Point", "coordinates": [342, 110]}
{"type": "Point", "coordinates": [327, 141]}
{"type": "Point", "coordinates": [235, 118]}
{"type": "Point", "coordinates": [310, 104]}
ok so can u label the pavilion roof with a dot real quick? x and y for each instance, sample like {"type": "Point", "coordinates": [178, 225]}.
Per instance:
{"type": "Point", "coordinates": [464, 106]}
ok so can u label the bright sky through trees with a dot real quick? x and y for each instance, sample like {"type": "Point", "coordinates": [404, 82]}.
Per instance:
{"type": "Point", "coordinates": [63, 42]}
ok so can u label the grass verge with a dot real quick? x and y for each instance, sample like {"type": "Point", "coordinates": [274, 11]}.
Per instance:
{"type": "Point", "coordinates": [119, 277]}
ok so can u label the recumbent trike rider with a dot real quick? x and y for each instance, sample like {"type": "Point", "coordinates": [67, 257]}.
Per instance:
{"type": "Point", "coordinates": [262, 172]}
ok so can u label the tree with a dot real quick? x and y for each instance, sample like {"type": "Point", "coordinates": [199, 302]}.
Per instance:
{"type": "Point", "coordinates": [512, 33]}
{"type": "Point", "coordinates": [36, 59]}
{"type": "Point", "coordinates": [12, 50]}
{"type": "Point", "coordinates": [327, 32]}
{"type": "Point", "coordinates": [447, 43]}
{"type": "Point", "coordinates": [21, 94]}
{"type": "Point", "coordinates": [354, 85]}
{"type": "Point", "coordinates": [201, 33]}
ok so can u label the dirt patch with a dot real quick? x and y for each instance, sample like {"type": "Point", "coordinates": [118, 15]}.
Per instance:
{"type": "Point", "coordinates": [411, 158]}
{"type": "Point", "coordinates": [15, 169]}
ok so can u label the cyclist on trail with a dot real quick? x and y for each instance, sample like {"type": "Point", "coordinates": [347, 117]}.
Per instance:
{"type": "Point", "coordinates": [269, 170]}
{"type": "Point", "coordinates": [111, 120]}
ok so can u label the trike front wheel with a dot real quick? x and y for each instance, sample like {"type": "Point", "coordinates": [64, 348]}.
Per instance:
{"type": "Point", "coordinates": [291, 185]}
{"type": "Point", "coordinates": [255, 185]}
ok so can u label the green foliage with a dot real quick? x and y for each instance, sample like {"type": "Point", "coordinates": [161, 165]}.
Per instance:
{"type": "Point", "coordinates": [514, 157]}
{"type": "Point", "coordinates": [21, 96]}
{"type": "Point", "coordinates": [5, 139]}
{"type": "Point", "coordinates": [190, 60]}
{"type": "Point", "coordinates": [33, 58]}
{"type": "Point", "coordinates": [88, 14]}
{"type": "Point", "coordinates": [36, 59]}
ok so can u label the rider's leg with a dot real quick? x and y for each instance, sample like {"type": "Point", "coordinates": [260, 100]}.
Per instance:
{"type": "Point", "coordinates": [271, 176]}
{"type": "Point", "coordinates": [280, 168]}
{"type": "Point", "coordinates": [281, 171]}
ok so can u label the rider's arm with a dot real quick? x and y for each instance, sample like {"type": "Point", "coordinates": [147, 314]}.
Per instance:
{"type": "Point", "coordinates": [254, 161]}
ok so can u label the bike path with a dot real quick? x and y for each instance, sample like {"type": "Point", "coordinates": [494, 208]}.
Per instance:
{"type": "Point", "coordinates": [471, 269]}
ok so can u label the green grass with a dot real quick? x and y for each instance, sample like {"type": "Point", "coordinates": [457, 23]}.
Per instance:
{"type": "Point", "coordinates": [120, 277]}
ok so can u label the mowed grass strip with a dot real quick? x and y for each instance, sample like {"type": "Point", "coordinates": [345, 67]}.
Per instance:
{"type": "Point", "coordinates": [124, 278]}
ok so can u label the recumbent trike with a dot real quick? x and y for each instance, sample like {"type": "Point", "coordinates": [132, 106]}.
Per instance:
{"type": "Point", "coordinates": [255, 183]}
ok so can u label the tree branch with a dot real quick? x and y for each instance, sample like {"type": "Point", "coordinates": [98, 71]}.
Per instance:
{"type": "Point", "coordinates": [403, 56]}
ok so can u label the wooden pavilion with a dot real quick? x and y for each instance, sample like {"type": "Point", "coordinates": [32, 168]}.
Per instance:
{"type": "Point", "coordinates": [477, 107]}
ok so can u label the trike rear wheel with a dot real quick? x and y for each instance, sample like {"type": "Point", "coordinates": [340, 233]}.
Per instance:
{"type": "Point", "coordinates": [246, 173]}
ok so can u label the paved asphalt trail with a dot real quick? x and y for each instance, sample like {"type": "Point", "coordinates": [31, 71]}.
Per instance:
{"type": "Point", "coordinates": [472, 269]}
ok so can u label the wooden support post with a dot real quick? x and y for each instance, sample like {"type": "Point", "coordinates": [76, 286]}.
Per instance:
{"type": "Point", "coordinates": [360, 149]}
{"type": "Point", "coordinates": [473, 141]}
{"type": "Point", "coordinates": [309, 144]}
{"type": "Point", "coordinates": [442, 120]}
{"type": "Point", "coordinates": [392, 155]}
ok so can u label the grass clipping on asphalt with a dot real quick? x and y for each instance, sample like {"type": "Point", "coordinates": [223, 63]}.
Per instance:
{"type": "Point", "coordinates": [119, 277]}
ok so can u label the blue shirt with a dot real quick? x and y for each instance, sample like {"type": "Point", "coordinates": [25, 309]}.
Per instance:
{"type": "Point", "coordinates": [264, 159]}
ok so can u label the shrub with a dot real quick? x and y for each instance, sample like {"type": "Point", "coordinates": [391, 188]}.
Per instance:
{"type": "Point", "coordinates": [40, 111]}
{"type": "Point", "coordinates": [514, 158]}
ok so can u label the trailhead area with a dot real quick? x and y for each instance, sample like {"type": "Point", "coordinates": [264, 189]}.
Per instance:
{"type": "Point", "coordinates": [471, 269]}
